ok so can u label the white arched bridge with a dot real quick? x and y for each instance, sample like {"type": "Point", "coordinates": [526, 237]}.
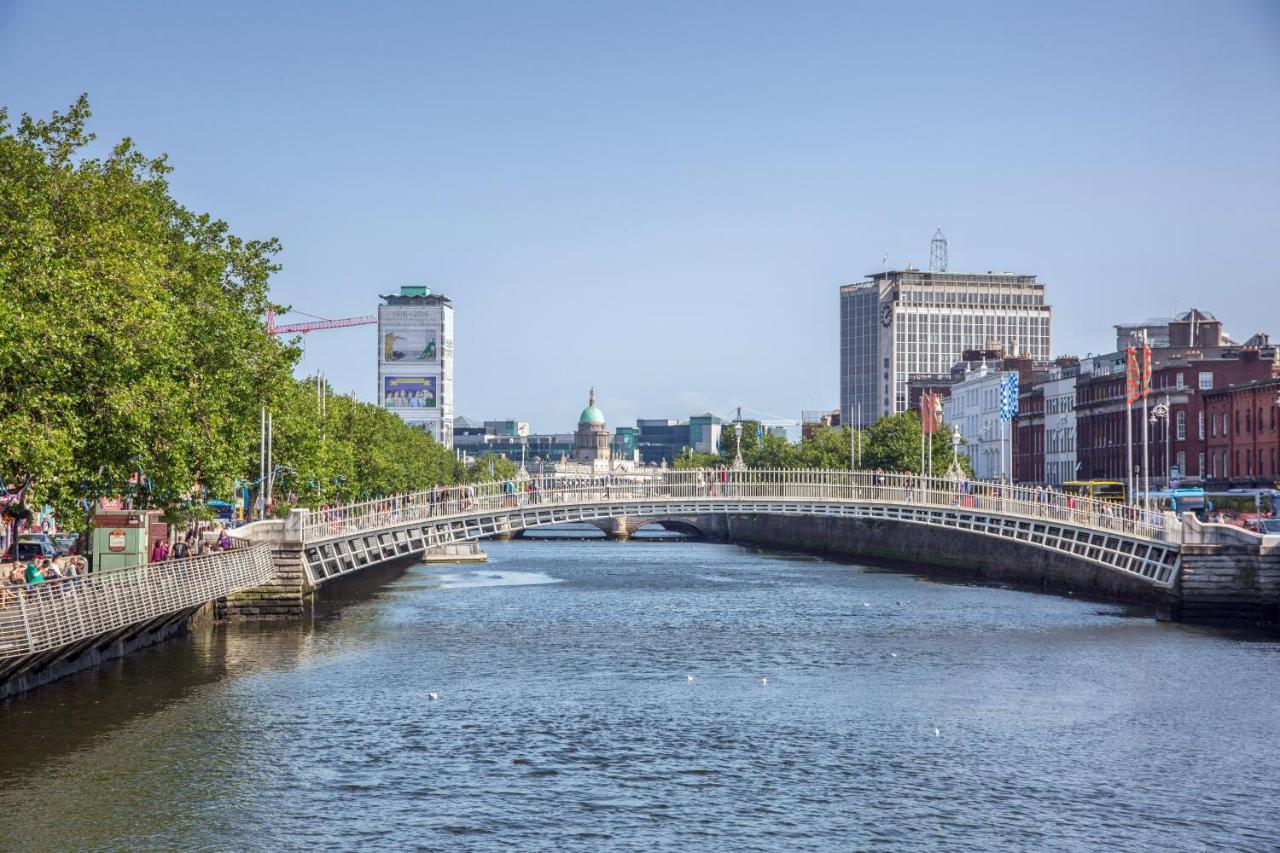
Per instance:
{"type": "Point", "coordinates": [1141, 545]}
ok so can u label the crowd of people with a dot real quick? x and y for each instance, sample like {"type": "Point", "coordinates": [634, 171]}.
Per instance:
{"type": "Point", "coordinates": [42, 572]}
{"type": "Point", "coordinates": [39, 573]}
{"type": "Point", "coordinates": [195, 542]}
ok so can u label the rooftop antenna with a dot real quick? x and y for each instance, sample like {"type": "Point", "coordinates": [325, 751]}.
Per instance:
{"type": "Point", "coordinates": [938, 252]}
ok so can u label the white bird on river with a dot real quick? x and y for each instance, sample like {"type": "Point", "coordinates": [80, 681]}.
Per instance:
{"type": "Point", "coordinates": [765, 682]}
{"type": "Point", "coordinates": [690, 677]}
{"type": "Point", "coordinates": [936, 733]}
{"type": "Point", "coordinates": [433, 696]}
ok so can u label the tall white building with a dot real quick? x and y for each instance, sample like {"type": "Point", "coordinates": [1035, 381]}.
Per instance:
{"type": "Point", "coordinates": [903, 323]}
{"type": "Point", "coordinates": [974, 408]}
{"type": "Point", "coordinates": [415, 360]}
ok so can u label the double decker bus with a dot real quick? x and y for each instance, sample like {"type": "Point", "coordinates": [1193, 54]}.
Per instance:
{"type": "Point", "coordinates": [1099, 490]}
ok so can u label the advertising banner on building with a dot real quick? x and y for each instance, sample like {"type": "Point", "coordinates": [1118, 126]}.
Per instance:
{"type": "Point", "coordinates": [409, 335]}
{"type": "Point", "coordinates": [409, 392]}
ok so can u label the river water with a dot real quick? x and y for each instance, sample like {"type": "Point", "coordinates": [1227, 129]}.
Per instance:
{"type": "Point", "coordinates": [898, 713]}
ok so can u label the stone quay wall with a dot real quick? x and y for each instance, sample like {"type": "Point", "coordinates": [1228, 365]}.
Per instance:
{"type": "Point", "coordinates": [1229, 576]}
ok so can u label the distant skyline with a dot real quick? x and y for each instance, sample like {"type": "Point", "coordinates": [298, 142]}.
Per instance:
{"type": "Point", "coordinates": [662, 199]}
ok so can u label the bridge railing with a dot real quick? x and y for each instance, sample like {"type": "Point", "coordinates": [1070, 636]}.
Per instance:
{"type": "Point", "coordinates": [784, 484]}
{"type": "Point", "coordinates": [43, 616]}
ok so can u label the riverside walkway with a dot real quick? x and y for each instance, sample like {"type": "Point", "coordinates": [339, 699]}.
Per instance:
{"type": "Point", "coordinates": [66, 617]}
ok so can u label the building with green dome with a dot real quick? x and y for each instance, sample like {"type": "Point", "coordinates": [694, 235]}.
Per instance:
{"type": "Point", "coordinates": [591, 441]}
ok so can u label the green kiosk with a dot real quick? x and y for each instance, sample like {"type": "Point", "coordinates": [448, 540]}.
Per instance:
{"type": "Point", "coordinates": [122, 538]}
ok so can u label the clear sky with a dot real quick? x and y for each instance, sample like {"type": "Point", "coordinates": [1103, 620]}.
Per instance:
{"type": "Point", "coordinates": [662, 199]}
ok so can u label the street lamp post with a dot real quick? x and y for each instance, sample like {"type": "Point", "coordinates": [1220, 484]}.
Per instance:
{"type": "Point", "coordinates": [1160, 412]}
{"type": "Point", "coordinates": [737, 452]}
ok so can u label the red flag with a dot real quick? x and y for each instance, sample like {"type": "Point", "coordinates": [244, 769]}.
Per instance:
{"type": "Point", "coordinates": [1131, 393]}
{"type": "Point", "coordinates": [930, 411]}
{"type": "Point", "coordinates": [1146, 369]}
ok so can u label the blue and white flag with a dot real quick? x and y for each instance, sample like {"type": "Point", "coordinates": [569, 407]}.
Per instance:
{"type": "Point", "coordinates": [1009, 397]}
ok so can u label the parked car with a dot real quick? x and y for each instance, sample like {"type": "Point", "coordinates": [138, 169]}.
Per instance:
{"type": "Point", "coordinates": [32, 549]}
{"type": "Point", "coordinates": [65, 543]}
{"type": "Point", "coordinates": [1267, 526]}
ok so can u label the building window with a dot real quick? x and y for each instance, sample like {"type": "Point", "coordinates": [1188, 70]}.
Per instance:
{"type": "Point", "coordinates": [1182, 382]}
{"type": "Point", "coordinates": [1182, 463]}
{"type": "Point", "coordinates": [1200, 424]}
{"type": "Point", "coordinates": [1200, 466]}
{"type": "Point", "coordinates": [1213, 426]}
{"type": "Point", "coordinates": [1206, 380]}
{"type": "Point", "coordinates": [1182, 426]}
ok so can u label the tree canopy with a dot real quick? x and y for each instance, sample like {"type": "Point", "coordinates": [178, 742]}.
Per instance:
{"type": "Point", "coordinates": [133, 352]}
{"type": "Point", "coordinates": [892, 443]}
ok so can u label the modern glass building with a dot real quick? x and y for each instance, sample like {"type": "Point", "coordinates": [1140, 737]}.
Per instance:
{"type": "Point", "coordinates": [902, 323]}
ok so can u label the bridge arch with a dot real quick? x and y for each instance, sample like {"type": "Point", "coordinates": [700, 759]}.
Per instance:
{"type": "Point", "coordinates": [1142, 548]}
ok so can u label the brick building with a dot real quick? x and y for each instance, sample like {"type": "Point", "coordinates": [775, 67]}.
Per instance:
{"type": "Point", "coordinates": [1181, 383]}
{"type": "Point", "coordinates": [1028, 435]}
{"type": "Point", "coordinates": [1243, 435]}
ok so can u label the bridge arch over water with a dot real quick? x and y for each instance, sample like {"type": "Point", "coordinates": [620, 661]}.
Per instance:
{"type": "Point", "coordinates": [1142, 547]}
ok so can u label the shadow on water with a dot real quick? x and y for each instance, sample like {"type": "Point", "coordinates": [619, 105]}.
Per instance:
{"type": "Point", "coordinates": [72, 713]}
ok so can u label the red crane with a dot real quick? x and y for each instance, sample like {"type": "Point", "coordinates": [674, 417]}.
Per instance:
{"type": "Point", "coordinates": [314, 326]}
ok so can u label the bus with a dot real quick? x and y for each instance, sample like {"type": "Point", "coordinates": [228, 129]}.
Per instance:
{"type": "Point", "coordinates": [1099, 490]}
{"type": "Point", "coordinates": [1183, 499]}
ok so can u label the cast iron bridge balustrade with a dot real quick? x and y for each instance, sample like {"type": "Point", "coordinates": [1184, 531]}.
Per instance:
{"type": "Point", "coordinates": [340, 540]}
{"type": "Point", "coordinates": [54, 616]}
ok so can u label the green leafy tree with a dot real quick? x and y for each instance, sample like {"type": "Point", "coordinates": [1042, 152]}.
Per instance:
{"type": "Point", "coordinates": [893, 443]}
{"type": "Point", "coordinates": [134, 359]}
{"type": "Point", "coordinates": [133, 355]}
{"type": "Point", "coordinates": [826, 448]}
{"type": "Point", "coordinates": [689, 458]}
{"type": "Point", "coordinates": [503, 468]}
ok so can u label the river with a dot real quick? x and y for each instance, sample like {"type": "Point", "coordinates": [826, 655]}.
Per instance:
{"type": "Point", "coordinates": [602, 695]}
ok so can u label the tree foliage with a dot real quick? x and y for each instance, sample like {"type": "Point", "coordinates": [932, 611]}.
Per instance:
{"type": "Point", "coordinates": [891, 444]}
{"type": "Point", "coordinates": [133, 353]}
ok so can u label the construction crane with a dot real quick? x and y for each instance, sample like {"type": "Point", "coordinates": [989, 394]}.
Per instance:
{"type": "Point", "coordinates": [315, 325]}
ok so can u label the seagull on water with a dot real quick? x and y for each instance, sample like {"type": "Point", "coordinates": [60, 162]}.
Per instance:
{"type": "Point", "coordinates": [433, 696]}
{"type": "Point", "coordinates": [690, 677]}
{"type": "Point", "coordinates": [765, 682]}
{"type": "Point", "coordinates": [936, 733]}
{"type": "Point", "coordinates": [893, 654]}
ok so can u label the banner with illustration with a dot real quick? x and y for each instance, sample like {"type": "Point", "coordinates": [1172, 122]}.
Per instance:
{"type": "Point", "coordinates": [408, 345]}
{"type": "Point", "coordinates": [409, 392]}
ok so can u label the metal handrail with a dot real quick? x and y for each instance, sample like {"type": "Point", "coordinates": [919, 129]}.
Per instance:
{"type": "Point", "coordinates": [865, 487]}
{"type": "Point", "coordinates": [48, 615]}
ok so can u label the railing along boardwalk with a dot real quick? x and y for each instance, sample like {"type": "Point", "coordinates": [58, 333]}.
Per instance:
{"type": "Point", "coordinates": [41, 617]}
{"type": "Point", "coordinates": [865, 487]}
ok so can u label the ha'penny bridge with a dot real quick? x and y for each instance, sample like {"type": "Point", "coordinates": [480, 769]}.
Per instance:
{"type": "Point", "coordinates": [1005, 533]}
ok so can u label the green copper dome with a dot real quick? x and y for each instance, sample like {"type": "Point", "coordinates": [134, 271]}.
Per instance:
{"type": "Point", "coordinates": [591, 415]}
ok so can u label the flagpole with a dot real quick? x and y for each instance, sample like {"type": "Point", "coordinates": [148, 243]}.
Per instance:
{"type": "Point", "coordinates": [1146, 426]}
{"type": "Point", "coordinates": [1128, 437]}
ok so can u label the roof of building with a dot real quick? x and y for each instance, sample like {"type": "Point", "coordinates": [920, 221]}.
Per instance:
{"type": "Point", "coordinates": [591, 415]}
{"type": "Point", "coordinates": [1246, 386]}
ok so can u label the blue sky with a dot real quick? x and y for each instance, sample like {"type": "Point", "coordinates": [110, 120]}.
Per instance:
{"type": "Point", "coordinates": [662, 199]}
